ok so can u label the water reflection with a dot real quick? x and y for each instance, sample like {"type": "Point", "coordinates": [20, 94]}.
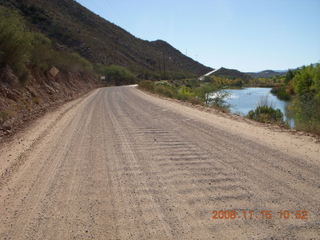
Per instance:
{"type": "Point", "coordinates": [243, 100]}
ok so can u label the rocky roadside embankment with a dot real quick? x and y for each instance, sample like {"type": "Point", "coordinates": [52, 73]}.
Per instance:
{"type": "Point", "coordinates": [21, 103]}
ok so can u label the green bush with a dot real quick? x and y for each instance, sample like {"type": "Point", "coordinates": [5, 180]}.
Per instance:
{"type": "Point", "coordinates": [147, 85]}
{"type": "Point", "coordinates": [281, 92]}
{"type": "Point", "coordinates": [20, 48]}
{"type": "Point", "coordinates": [195, 95]}
{"type": "Point", "coordinates": [41, 53]}
{"type": "Point", "coordinates": [185, 93]}
{"type": "Point", "coordinates": [266, 114]}
{"type": "Point", "coordinates": [115, 74]}
{"type": "Point", "coordinates": [219, 100]}
{"type": "Point", "coordinates": [163, 83]}
{"type": "Point", "coordinates": [305, 110]}
{"type": "Point", "coordinates": [303, 88]}
{"type": "Point", "coordinates": [165, 91]}
{"type": "Point", "coordinates": [203, 92]}
{"type": "Point", "coordinates": [70, 62]}
{"type": "Point", "coordinates": [192, 83]}
{"type": "Point", "coordinates": [15, 43]}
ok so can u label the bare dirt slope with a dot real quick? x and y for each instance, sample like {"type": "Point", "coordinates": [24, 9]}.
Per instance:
{"type": "Point", "coordinates": [120, 164]}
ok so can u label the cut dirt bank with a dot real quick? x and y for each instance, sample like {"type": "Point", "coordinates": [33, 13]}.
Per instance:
{"type": "Point", "coordinates": [21, 103]}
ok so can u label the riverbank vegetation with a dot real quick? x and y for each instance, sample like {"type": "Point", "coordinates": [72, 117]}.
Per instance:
{"type": "Point", "coordinates": [266, 113]}
{"type": "Point", "coordinates": [299, 87]}
{"type": "Point", "coordinates": [302, 88]}
{"type": "Point", "coordinates": [190, 90]}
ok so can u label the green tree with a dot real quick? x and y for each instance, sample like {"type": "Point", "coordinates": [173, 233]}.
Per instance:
{"type": "Point", "coordinates": [289, 76]}
{"type": "Point", "coordinates": [316, 81]}
{"type": "Point", "coordinates": [203, 92]}
{"type": "Point", "coordinates": [303, 80]}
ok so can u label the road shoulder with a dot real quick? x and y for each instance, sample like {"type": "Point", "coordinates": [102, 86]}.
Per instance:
{"type": "Point", "coordinates": [291, 142]}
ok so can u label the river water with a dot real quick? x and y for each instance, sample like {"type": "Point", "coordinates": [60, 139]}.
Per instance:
{"type": "Point", "coordinates": [243, 100]}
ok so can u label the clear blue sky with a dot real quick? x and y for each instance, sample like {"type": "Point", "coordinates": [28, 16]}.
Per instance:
{"type": "Point", "coordinates": [249, 35]}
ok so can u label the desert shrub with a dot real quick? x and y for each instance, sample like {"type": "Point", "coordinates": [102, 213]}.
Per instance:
{"type": "Point", "coordinates": [20, 48]}
{"type": "Point", "coordinates": [192, 83]}
{"type": "Point", "coordinates": [212, 95]}
{"type": "Point", "coordinates": [266, 113]}
{"type": "Point", "coordinates": [116, 74]}
{"type": "Point", "coordinates": [163, 83]}
{"type": "Point", "coordinates": [165, 91]}
{"type": "Point", "coordinates": [70, 62]}
{"type": "Point", "coordinates": [42, 52]}
{"type": "Point", "coordinates": [185, 93]}
{"type": "Point", "coordinates": [15, 43]}
{"type": "Point", "coordinates": [44, 56]}
{"type": "Point", "coordinates": [204, 93]}
{"type": "Point", "coordinates": [162, 87]}
{"type": "Point", "coordinates": [218, 100]}
{"type": "Point", "coordinates": [196, 95]}
{"type": "Point", "coordinates": [147, 85]}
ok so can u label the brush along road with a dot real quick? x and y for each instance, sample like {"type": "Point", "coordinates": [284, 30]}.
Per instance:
{"type": "Point", "coordinates": [121, 164]}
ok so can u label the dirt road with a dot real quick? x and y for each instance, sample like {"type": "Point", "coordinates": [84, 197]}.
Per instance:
{"type": "Point", "coordinates": [121, 164]}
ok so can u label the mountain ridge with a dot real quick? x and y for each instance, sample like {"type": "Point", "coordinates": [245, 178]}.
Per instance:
{"type": "Point", "coordinates": [75, 27]}
{"type": "Point", "coordinates": [231, 73]}
{"type": "Point", "coordinates": [266, 73]}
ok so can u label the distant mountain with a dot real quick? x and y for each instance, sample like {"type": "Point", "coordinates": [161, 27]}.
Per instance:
{"type": "Point", "coordinates": [280, 71]}
{"type": "Point", "coordinates": [272, 73]}
{"type": "Point", "coordinates": [266, 74]}
{"type": "Point", "coordinates": [231, 74]}
{"type": "Point", "coordinates": [74, 27]}
{"type": "Point", "coordinates": [236, 74]}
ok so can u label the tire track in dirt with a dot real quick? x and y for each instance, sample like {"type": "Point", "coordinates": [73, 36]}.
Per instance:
{"type": "Point", "coordinates": [121, 165]}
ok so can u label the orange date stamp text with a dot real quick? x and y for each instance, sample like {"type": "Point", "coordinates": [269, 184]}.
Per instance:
{"type": "Point", "coordinates": [258, 214]}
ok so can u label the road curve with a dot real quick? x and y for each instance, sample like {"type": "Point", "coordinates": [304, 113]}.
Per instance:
{"type": "Point", "coordinates": [121, 164]}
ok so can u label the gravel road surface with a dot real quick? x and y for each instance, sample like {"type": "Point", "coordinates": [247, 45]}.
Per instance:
{"type": "Point", "coordinates": [119, 163]}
